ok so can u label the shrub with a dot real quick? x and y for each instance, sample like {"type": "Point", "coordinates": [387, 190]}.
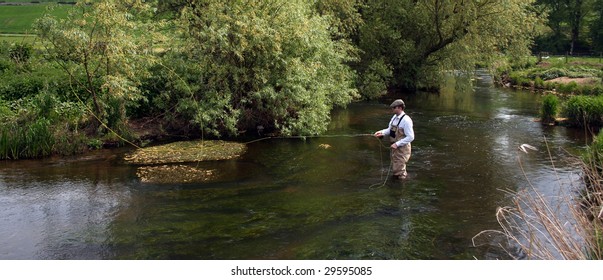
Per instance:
{"type": "Point", "coordinates": [585, 110]}
{"type": "Point", "coordinates": [550, 105]}
{"type": "Point", "coordinates": [590, 89]}
{"type": "Point", "coordinates": [553, 73]}
{"type": "Point", "coordinates": [568, 88]}
{"type": "Point", "coordinates": [39, 126]}
{"type": "Point", "coordinates": [538, 83]}
{"type": "Point", "coordinates": [597, 90]}
{"type": "Point", "coordinates": [20, 52]}
{"type": "Point", "coordinates": [550, 86]}
{"type": "Point", "coordinates": [15, 84]}
{"type": "Point", "coordinates": [515, 78]}
{"type": "Point", "coordinates": [5, 111]}
{"type": "Point", "coordinates": [5, 65]}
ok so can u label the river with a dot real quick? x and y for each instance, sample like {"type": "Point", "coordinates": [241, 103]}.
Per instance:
{"type": "Point", "coordinates": [314, 198]}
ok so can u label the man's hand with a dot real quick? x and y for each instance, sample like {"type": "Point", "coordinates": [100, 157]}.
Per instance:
{"type": "Point", "coordinates": [378, 134]}
{"type": "Point", "coordinates": [394, 146]}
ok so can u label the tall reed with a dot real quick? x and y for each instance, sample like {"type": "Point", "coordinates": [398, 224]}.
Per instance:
{"type": "Point", "coordinates": [565, 227]}
{"type": "Point", "coordinates": [26, 141]}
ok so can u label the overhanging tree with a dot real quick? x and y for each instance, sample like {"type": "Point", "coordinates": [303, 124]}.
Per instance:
{"type": "Point", "coordinates": [264, 63]}
{"type": "Point", "coordinates": [420, 40]}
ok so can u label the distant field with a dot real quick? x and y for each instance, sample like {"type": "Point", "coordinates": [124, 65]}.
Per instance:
{"type": "Point", "coordinates": [29, 1]}
{"type": "Point", "coordinates": [18, 38]}
{"type": "Point", "coordinates": [18, 19]}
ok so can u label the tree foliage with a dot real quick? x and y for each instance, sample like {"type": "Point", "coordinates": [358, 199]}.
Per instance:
{"type": "Point", "coordinates": [596, 27]}
{"type": "Point", "coordinates": [227, 67]}
{"type": "Point", "coordinates": [344, 16]}
{"type": "Point", "coordinates": [264, 63]}
{"type": "Point", "coordinates": [105, 48]}
{"type": "Point", "coordinates": [422, 39]}
{"type": "Point", "coordinates": [574, 26]}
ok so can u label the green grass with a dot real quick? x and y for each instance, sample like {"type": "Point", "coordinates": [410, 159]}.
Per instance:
{"type": "Point", "coordinates": [18, 38]}
{"type": "Point", "coordinates": [19, 19]}
{"type": "Point", "coordinates": [29, 1]}
{"type": "Point", "coordinates": [573, 60]}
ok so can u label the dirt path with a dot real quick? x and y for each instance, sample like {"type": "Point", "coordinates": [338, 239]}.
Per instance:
{"type": "Point", "coordinates": [580, 81]}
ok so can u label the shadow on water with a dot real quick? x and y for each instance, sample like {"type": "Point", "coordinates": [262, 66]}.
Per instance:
{"type": "Point", "coordinates": [313, 198]}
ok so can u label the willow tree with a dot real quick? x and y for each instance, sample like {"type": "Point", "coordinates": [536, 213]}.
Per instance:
{"type": "Point", "coordinates": [105, 48]}
{"type": "Point", "coordinates": [344, 14]}
{"type": "Point", "coordinates": [419, 40]}
{"type": "Point", "coordinates": [264, 63]}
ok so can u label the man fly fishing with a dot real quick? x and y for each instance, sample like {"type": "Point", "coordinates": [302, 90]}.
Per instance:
{"type": "Point", "coordinates": [400, 133]}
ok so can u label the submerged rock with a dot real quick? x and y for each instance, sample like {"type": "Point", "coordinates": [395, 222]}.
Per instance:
{"type": "Point", "coordinates": [186, 151]}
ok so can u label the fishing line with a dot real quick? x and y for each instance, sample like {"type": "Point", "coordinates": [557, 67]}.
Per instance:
{"type": "Point", "coordinates": [304, 137]}
{"type": "Point", "coordinates": [381, 146]}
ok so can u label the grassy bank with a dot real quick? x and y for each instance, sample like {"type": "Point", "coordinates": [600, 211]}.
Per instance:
{"type": "Point", "coordinates": [534, 224]}
{"type": "Point", "coordinates": [576, 75]}
{"type": "Point", "coordinates": [576, 81]}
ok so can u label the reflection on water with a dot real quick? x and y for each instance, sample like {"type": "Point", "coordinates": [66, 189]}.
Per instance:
{"type": "Point", "coordinates": [313, 198]}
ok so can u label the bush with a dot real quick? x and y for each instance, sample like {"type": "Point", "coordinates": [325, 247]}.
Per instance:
{"type": "Point", "coordinates": [553, 73]}
{"type": "Point", "coordinates": [590, 90]}
{"type": "Point", "coordinates": [550, 86]}
{"type": "Point", "coordinates": [585, 110]}
{"type": "Point", "coordinates": [39, 126]}
{"type": "Point", "coordinates": [515, 78]}
{"type": "Point", "coordinates": [16, 84]}
{"type": "Point", "coordinates": [277, 65]}
{"type": "Point", "coordinates": [568, 88]}
{"type": "Point", "coordinates": [550, 105]}
{"type": "Point", "coordinates": [597, 90]}
{"type": "Point", "coordinates": [20, 52]}
{"type": "Point", "coordinates": [538, 83]}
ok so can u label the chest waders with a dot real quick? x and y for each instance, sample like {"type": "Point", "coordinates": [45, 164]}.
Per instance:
{"type": "Point", "coordinates": [395, 133]}
{"type": "Point", "coordinates": [401, 155]}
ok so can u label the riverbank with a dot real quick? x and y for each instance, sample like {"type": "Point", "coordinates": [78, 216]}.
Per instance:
{"type": "Point", "coordinates": [573, 92]}
{"type": "Point", "coordinates": [555, 75]}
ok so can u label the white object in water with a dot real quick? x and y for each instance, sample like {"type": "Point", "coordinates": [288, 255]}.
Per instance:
{"type": "Point", "coordinates": [523, 147]}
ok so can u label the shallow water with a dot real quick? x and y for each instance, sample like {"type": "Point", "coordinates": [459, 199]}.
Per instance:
{"type": "Point", "coordinates": [296, 199]}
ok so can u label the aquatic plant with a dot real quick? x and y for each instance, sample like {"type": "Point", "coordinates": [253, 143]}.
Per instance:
{"type": "Point", "coordinates": [186, 151]}
{"type": "Point", "coordinates": [173, 174]}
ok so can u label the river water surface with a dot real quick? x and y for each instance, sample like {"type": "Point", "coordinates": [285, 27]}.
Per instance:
{"type": "Point", "coordinates": [313, 198]}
